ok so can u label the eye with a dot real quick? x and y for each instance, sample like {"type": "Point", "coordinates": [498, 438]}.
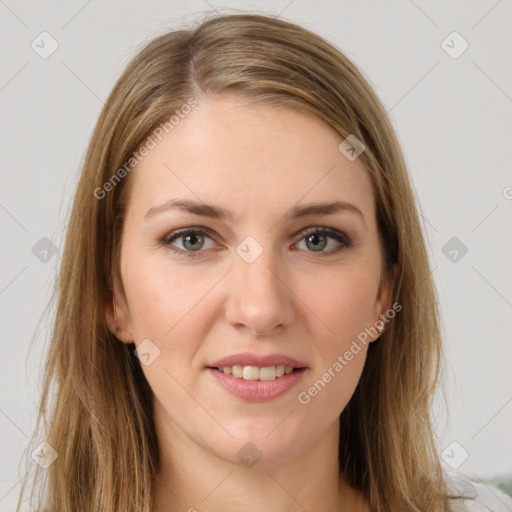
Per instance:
{"type": "Point", "coordinates": [192, 241]}
{"type": "Point", "coordinates": [317, 239]}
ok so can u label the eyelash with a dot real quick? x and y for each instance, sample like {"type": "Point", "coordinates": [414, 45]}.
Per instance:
{"type": "Point", "coordinates": [340, 237]}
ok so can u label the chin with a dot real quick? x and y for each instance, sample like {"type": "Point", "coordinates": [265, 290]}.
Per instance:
{"type": "Point", "coordinates": [255, 447]}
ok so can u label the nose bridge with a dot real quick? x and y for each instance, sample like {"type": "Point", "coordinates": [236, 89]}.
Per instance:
{"type": "Point", "coordinates": [258, 297]}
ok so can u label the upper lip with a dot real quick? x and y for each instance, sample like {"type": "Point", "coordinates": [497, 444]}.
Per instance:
{"type": "Point", "coordinates": [247, 359]}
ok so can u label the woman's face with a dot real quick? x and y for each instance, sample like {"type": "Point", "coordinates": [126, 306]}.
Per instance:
{"type": "Point", "coordinates": [237, 277]}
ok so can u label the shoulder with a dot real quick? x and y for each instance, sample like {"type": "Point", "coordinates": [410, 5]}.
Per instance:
{"type": "Point", "coordinates": [478, 497]}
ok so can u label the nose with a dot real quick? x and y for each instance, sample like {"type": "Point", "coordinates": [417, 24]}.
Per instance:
{"type": "Point", "coordinates": [259, 298]}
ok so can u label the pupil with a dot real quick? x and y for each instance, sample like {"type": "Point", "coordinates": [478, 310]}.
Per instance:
{"type": "Point", "coordinates": [192, 237]}
{"type": "Point", "coordinates": [316, 245]}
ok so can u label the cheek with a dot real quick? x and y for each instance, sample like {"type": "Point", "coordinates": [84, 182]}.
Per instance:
{"type": "Point", "coordinates": [162, 297]}
{"type": "Point", "coordinates": [344, 304]}
{"type": "Point", "coordinates": [167, 307]}
{"type": "Point", "coordinates": [344, 301]}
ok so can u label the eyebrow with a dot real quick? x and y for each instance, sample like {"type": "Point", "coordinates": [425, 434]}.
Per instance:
{"type": "Point", "coordinates": [217, 212]}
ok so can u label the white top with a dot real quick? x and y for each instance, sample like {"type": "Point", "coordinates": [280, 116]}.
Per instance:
{"type": "Point", "coordinates": [486, 498]}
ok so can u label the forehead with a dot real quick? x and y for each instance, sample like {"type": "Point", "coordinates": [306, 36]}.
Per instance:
{"type": "Point", "coordinates": [255, 159]}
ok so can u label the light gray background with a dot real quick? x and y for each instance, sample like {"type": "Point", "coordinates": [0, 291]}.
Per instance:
{"type": "Point", "coordinates": [453, 118]}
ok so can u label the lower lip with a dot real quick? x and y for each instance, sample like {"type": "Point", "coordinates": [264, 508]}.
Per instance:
{"type": "Point", "coordinates": [257, 390]}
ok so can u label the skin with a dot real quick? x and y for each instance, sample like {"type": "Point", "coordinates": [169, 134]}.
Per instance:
{"type": "Point", "coordinates": [257, 162]}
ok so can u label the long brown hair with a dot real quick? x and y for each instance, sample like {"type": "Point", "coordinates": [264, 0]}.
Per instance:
{"type": "Point", "coordinates": [96, 405]}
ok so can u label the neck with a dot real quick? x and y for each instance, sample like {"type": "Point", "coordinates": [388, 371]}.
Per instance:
{"type": "Point", "coordinates": [192, 478]}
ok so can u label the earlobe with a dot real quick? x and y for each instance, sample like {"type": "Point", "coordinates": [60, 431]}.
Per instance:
{"type": "Point", "coordinates": [117, 319]}
{"type": "Point", "coordinates": [383, 303]}
{"type": "Point", "coordinates": [388, 286]}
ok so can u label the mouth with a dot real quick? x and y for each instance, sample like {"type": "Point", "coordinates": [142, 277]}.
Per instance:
{"type": "Point", "coordinates": [262, 373]}
{"type": "Point", "coordinates": [254, 378]}
{"type": "Point", "coordinates": [250, 387]}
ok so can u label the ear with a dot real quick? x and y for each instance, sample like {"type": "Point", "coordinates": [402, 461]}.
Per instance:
{"type": "Point", "coordinates": [383, 300]}
{"type": "Point", "coordinates": [118, 317]}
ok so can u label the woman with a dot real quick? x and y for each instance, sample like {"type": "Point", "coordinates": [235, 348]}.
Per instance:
{"type": "Point", "coordinates": [246, 317]}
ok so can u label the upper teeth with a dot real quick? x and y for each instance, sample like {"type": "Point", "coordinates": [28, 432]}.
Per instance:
{"type": "Point", "coordinates": [256, 372]}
